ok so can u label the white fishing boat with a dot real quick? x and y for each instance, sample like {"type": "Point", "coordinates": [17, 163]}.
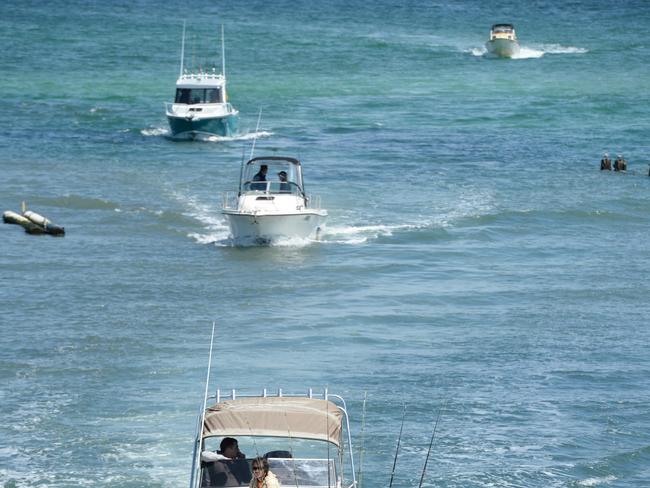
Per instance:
{"type": "Point", "coordinates": [271, 203]}
{"type": "Point", "coordinates": [303, 437]}
{"type": "Point", "coordinates": [201, 106]}
{"type": "Point", "coordinates": [503, 41]}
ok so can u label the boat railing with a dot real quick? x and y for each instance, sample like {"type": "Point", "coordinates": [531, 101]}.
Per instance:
{"type": "Point", "coordinates": [313, 202]}
{"type": "Point", "coordinates": [274, 187]}
{"type": "Point", "coordinates": [233, 394]}
{"type": "Point", "coordinates": [230, 200]}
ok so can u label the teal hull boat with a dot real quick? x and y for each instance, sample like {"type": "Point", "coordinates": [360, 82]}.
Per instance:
{"type": "Point", "coordinates": [193, 127]}
{"type": "Point", "coordinates": [200, 107]}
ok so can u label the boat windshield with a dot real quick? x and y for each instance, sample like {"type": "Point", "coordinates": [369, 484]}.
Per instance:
{"type": "Point", "coordinates": [272, 176]}
{"type": "Point", "coordinates": [289, 471]}
{"type": "Point", "coordinates": [295, 462]}
{"type": "Point", "coordinates": [193, 96]}
{"type": "Point", "coordinates": [503, 28]}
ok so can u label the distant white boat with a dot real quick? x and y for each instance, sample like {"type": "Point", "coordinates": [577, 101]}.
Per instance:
{"type": "Point", "coordinates": [503, 41]}
{"type": "Point", "coordinates": [201, 104]}
{"type": "Point", "coordinates": [266, 210]}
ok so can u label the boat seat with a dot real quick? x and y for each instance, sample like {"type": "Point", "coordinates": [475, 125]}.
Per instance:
{"type": "Point", "coordinates": [278, 454]}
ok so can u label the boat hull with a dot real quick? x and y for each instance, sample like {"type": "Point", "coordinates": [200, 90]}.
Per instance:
{"type": "Point", "coordinates": [267, 228]}
{"type": "Point", "coordinates": [503, 48]}
{"type": "Point", "coordinates": [190, 128]}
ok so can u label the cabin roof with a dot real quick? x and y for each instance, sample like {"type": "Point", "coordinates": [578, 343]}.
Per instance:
{"type": "Point", "coordinates": [297, 417]}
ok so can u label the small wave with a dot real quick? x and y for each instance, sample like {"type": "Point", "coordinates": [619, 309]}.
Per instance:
{"type": "Point", "coordinates": [78, 202]}
{"type": "Point", "coordinates": [597, 481]}
{"type": "Point", "coordinates": [478, 51]}
{"type": "Point", "coordinates": [155, 131]}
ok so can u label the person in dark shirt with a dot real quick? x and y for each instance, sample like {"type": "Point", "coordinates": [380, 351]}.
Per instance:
{"type": "Point", "coordinates": [260, 176]}
{"type": "Point", "coordinates": [605, 163]}
{"type": "Point", "coordinates": [285, 186]}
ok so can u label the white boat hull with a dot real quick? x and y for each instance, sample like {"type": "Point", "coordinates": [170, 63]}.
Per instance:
{"type": "Point", "coordinates": [267, 228]}
{"type": "Point", "coordinates": [503, 48]}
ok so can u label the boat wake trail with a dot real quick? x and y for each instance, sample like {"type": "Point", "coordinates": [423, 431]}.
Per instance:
{"type": "Point", "coordinates": [239, 137]}
{"type": "Point", "coordinates": [154, 131]}
{"type": "Point", "coordinates": [215, 229]}
{"type": "Point", "coordinates": [528, 53]}
{"type": "Point", "coordinates": [164, 132]}
{"type": "Point", "coordinates": [360, 234]}
{"type": "Point", "coordinates": [532, 51]}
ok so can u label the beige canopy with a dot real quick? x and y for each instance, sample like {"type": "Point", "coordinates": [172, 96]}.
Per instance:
{"type": "Point", "coordinates": [305, 418]}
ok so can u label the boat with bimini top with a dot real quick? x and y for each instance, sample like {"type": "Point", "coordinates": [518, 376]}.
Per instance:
{"type": "Point", "coordinates": [200, 106]}
{"type": "Point", "coordinates": [302, 438]}
{"type": "Point", "coordinates": [503, 41]}
{"type": "Point", "coordinates": [263, 211]}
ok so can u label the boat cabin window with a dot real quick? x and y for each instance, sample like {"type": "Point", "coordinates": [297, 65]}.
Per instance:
{"type": "Point", "coordinates": [288, 187]}
{"type": "Point", "coordinates": [272, 176]}
{"type": "Point", "coordinates": [192, 96]}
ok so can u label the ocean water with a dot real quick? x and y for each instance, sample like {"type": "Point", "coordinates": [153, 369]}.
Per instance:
{"type": "Point", "coordinates": [476, 264]}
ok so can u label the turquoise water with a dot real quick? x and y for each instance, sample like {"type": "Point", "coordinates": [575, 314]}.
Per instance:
{"type": "Point", "coordinates": [474, 256]}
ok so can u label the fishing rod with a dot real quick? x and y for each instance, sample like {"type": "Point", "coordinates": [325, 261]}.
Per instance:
{"type": "Point", "coordinates": [259, 118]}
{"type": "Point", "coordinates": [399, 439]}
{"type": "Point", "coordinates": [293, 459]}
{"type": "Point", "coordinates": [199, 427]}
{"type": "Point", "coordinates": [433, 434]}
{"type": "Point", "coordinates": [363, 438]}
{"type": "Point", "coordinates": [241, 168]}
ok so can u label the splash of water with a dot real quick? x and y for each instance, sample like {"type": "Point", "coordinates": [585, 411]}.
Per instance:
{"type": "Point", "coordinates": [154, 131]}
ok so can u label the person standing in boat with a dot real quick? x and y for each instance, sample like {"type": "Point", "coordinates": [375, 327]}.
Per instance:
{"type": "Point", "coordinates": [605, 163]}
{"type": "Point", "coordinates": [262, 477]}
{"type": "Point", "coordinates": [285, 186]}
{"type": "Point", "coordinates": [228, 451]}
{"type": "Point", "coordinates": [260, 176]}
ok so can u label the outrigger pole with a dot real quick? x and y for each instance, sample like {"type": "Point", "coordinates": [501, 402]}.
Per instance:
{"type": "Point", "coordinates": [182, 51]}
{"type": "Point", "coordinates": [199, 428]}
{"type": "Point", "coordinates": [433, 434]}
{"type": "Point", "coordinates": [223, 54]}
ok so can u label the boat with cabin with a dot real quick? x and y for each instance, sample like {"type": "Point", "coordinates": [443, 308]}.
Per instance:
{"type": "Point", "coordinates": [200, 106]}
{"type": "Point", "coordinates": [304, 437]}
{"type": "Point", "coordinates": [266, 210]}
{"type": "Point", "coordinates": [503, 41]}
